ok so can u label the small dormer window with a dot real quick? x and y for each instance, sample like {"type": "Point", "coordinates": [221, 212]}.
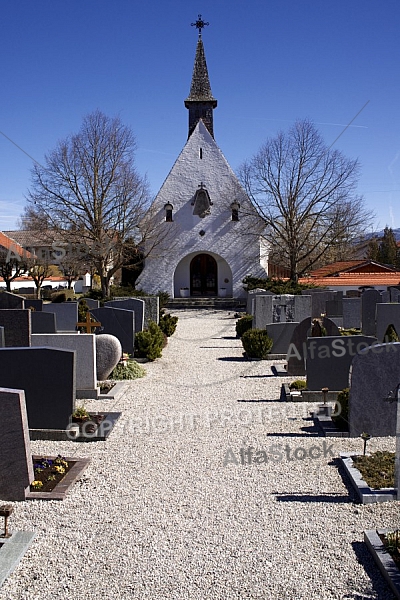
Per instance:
{"type": "Point", "coordinates": [168, 212]}
{"type": "Point", "coordinates": [235, 210]}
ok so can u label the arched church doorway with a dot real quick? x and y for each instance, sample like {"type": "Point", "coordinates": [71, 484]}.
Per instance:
{"type": "Point", "coordinates": [203, 276]}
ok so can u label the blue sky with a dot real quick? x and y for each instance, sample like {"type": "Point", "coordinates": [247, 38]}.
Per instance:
{"type": "Point", "coordinates": [270, 63]}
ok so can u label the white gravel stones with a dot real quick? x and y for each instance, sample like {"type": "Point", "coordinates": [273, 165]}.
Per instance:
{"type": "Point", "coordinates": [157, 515]}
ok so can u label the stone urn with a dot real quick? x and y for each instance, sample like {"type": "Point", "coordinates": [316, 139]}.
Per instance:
{"type": "Point", "coordinates": [184, 292]}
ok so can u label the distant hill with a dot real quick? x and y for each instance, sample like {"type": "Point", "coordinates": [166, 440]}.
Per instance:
{"type": "Point", "coordinates": [379, 234]}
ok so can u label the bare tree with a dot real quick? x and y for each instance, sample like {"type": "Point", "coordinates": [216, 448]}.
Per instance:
{"type": "Point", "coordinates": [11, 267]}
{"type": "Point", "coordinates": [306, 194]}
{"type": "Point", "coordinates": [91, 195]}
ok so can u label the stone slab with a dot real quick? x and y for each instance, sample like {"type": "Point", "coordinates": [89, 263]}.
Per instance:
{"type": "Point", "coordinates": [12, 551]}
{"type": "Point", "coordinates": [352, 313]}
{"type": "Point", "coordinates": [375, 372]}
{"type": "Point", "coordinates": [48, 377]}
{"type": "Point", "coordinates": [16, 469]}
{"type": "Point", "coordinates": [43, 322]}
{"type": "Point", "coordinates": [17, 327]}
{"type": "Point", "coordinates": [328, 359]}
{"type": "Point", "coordinates": [384, 561]}
{"type": "Point", "coordinates": [281, 334]}
{"type": "Point", "coordinates": [137, 305]}
{"type": "Point", "coordinates": [66, 314]}
{"type": "Point", "coordinates": [369, 300]}
{"type": "Point", "coordinates": [118, 322]}
{"type": "Point", "coordinates": [34, 303]}
{"type": "Point", "coordinates": [295, 356]}
{"type": "Point", "coordinates": [365, 494]}
{"type": "Point", "coordinates": [85, 347]}
{"type": "Point", "coordinates": [387, 314]}
{"type": "Point", "coordinates": [9, 300]}
{"type": "Point", "coordinates": [2, 338]}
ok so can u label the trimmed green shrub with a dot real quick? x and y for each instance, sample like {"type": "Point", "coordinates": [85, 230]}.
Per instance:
{"type": "Point", "coordinates": [256, 343]}
{"type": "Point", "coordinates": [168, 324]}
{"type": "Point", "coordinates": [299, 384]}
{"type": "Point", "coordinates": [342, 405]}
{"type": "Point", "coordinates": [275, 285]}
{"type": "Point", "coordinates": [59, 297]}
{"type": "Point", "coordinates": [149, 342]}
{"type": "Point", "coordinates": [243, 324]}
{"type": "Point", "coordinates": [130, 370]}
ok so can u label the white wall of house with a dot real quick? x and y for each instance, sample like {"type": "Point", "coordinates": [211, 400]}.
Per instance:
{"type": "Point", "coordinates": [234, 245]}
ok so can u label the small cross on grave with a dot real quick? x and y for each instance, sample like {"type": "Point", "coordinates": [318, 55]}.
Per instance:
{"type": "Point", "coordinates": [89, 324]}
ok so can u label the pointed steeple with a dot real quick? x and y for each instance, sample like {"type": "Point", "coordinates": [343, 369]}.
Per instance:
{"type": "Point", "coordinates": [200, 101]}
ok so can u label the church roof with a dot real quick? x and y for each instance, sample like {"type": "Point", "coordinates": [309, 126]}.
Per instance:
{"type": "Point", "coordinates": [200, 90]}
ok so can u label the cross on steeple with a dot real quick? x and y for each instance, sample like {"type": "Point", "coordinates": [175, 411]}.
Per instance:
{"type": "Point", "coordinates": [199, 24]}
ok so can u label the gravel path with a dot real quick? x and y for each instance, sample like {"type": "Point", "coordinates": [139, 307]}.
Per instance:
{"type": "Point", "coordinates": [157, 514]}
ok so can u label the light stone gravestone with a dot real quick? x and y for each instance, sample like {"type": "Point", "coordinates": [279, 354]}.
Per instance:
{"type": "Point", "coordinates": [375, 373]}
{"type": "Point", "coordinates": [66, 314]}
{"type": "Point", "coordinates": [328, 360]}
{"type": "Point", "coordinates": [85, 347]}
{"type": "Point", "coordinates": [16, 468]}
{"type": "Point", "coordinates": [17, 327]}
{"type": "Point", "coordinates": [387, 314]}
{"type": "Point", "coordinates": [394, 294]}
{"type": "Point", "coordinates": [108, 355]}
{"type": "Point", "coordinates": [285, 308]}
{"type": "Point", "coordinates": [251, 294]}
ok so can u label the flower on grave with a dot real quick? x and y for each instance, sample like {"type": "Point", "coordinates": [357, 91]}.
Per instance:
{"type": "Point", "coordinates": [60, 460]}
{"type": "Point", "coordinates": [37, 485]}
{"type": "Point", "coordinates": [59, 469]}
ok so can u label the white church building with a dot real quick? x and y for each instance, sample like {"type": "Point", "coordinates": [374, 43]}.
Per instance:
{"type": "Point", "coordinates": [207, 226]}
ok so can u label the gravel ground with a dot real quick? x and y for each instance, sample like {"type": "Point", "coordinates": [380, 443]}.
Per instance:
{"type": "Point", "coordinates": [158, 515]}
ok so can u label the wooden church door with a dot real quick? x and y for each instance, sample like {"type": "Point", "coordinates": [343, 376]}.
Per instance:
{"type": "Point", "coordinates": [203, 276]}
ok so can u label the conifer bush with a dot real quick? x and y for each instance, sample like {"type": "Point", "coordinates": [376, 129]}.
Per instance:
{"type": "Point", "coordinates": [168, 324]}
{"type": "Point", "coordinates": [257, 343]}
{"type": "Point", "coordinates": [243, 324]}
{"type": "Point", "coordinates": [149, 342]}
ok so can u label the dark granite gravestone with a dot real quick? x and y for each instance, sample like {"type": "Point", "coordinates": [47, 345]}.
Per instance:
{"type": "Point", "coordinates": [352, 313]}
{"type": "Point", "coordinates": [281, 334]}
{"type": "Point", "coordinates": [319, 299]}
{"type": "Point", "coordinates": [43, 322]}
{"type": "Point", "coordinates": [48, 377]}
{"type": "Point", "coordinates": [9, 300]}
{"type": "Point", "coordinates": [295, 355]}
{"type": "Point", "coordinates": [16, 469]}
{"type": "Point", "coordinates": [328, 360]}
{"type": "Point", "coordinates": [137, 305]}
{"type": "Point", "coordinates": [394, 293]}
{"type": "Point", "coordinates": [66, 314]}
{"type": "Point", "coordinates": [118, 322]}
{"type": "Point", "coordinates": [17, 327]}
{"type": "Point", "coordinates": [2, 338]}
{"type": "Point", "coordinates": [36, 304]}
{"type": "Point", "coordinates": [92, 303]}
{"type": "Point", "coordinates": [387, 314]}
{"type": "Point", "coordinates": [369, 300]}
{"type": "Point", "coordinates": [375, 374]}
{"type": "Point", "coordinates": [334, 308]}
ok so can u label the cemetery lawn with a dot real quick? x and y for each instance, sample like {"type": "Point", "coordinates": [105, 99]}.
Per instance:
{"type": "Point", "coordinates": [49, 472]}
{"type": "Point", "coordinates": [376, 469]}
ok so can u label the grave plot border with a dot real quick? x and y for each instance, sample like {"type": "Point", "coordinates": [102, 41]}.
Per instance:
{"type": "Point", "coordinates": [366, 495]}
{"type": "Point", "coordinates": [12, 550]}
{"type": "Point", "coordinates": [386, 564]}
{"type": "Point", "coordinates": [62, 488]}
{"type": "Point", "coordinates": [328, 427]}
{"type": "Point", "coordinates": [62, 435]}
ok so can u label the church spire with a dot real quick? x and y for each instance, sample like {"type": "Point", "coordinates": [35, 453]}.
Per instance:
{"type": "Point", "coordinates": [200, 101]}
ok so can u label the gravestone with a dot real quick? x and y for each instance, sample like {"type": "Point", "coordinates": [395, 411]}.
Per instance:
{"type": "Point", "coordinates": [92, 303]}
{"type": "Point", "coordinates": [135, 304]}
{"type": "Point", "coordinates": [48, 377]}
{"type": "Point", "coordinates": [397, 457]}
{"type": "Point", "coordinates": [10, 301]}
{"type": "Point", "coordinates": [352, 313]}
{"type": "Point", "coordinates": [334, 308]}
{"type": "Point", "coordinates": [369, 300]}
{"type": "Point", "coordinates": [36, 304]}
{"type": "Point", "coordinates": [108, 355]}
{"type": "Point", "coordinates": [328, 360]}
{"type": "Point", "coordinates": [43, 322]}
{"type": "Point", "coordinates": [118, 322]}
{"type": "Point", "coordinates": [297, 347]}
{"type": "Point", "coordinates": [375, 372]}
{"type": "Point", "coordinates": [85, 347]}
{"type": "Point", "coordinates": [281, 335]}
{"type": "Point", "coordinates": [394, 294]}
{"type": "Point", "coordinates": [284, 308]}
{"type": "Point", "coordinates": [387, 314]}
{"type": "Point", "coordinates": [66, 314]}
{"type": "Point", "coordinates": [2, 338]}
{"type": "Point", "coordinates": [16, 468]}
{"type": "Point", "coordinates": [385, 296]}
{"type": "Point", "coordinates": [319, 298]}
{"type": "Point", "coordinates": [17, 327]}
{"type": "Point", "coordinates": [251, 294]}
{"type": "Point", "coordinates": [152, 310]}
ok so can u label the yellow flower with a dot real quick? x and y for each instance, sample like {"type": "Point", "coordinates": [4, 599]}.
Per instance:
{"type": "Point", "coordinates": [37, 485]}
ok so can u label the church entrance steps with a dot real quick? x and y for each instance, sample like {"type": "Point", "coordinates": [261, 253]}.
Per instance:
{"type": "Point", "coordinates": [214, 303]}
